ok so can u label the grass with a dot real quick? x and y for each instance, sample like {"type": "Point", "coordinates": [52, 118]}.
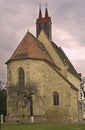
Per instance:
{"type": "Point", "coordinates": [44, 126]}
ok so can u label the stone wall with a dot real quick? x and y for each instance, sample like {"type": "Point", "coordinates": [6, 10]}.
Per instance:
{"type": "Point", "coordinates": [43, 81]}
{"type": "Point", "coordinates": [57, 60]}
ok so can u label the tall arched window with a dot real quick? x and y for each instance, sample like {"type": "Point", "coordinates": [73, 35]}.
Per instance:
{"type": "Point", "coordinates": [21, 77]}
{"type": "Point", "coordinates": [56, 98]}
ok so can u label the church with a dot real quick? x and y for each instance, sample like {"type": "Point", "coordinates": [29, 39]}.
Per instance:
{"type": "Point", "coordinates": [42, 84]}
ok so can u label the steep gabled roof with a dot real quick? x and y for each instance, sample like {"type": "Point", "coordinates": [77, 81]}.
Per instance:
{"type": "Point", "coordinates": [41, 19]}
{"type": "Point", "coordinates": [64, 58]}
{"type": "Point", "coordinates": [30, 47]}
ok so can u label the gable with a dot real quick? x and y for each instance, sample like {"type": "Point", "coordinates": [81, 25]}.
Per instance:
{"type": "Point", "coordinates": [57, 54]}
{"type": "Point", "coordinates": [52, 52]}
{"type": "Point", "coordinates": [30, 47]}
{"type": "Point", "coordinates": [64, 59]}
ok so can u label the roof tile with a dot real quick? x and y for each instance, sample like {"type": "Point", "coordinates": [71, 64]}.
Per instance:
{"type": "Point", "coordinates": [31, 47]}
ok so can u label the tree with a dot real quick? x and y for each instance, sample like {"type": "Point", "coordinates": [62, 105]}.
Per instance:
{"type": "Point", "coordinates": [3, 100]}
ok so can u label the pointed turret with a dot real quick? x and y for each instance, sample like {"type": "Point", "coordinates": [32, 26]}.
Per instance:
{"type": "Point", "coordinates": [40, 12]}
{"type": "Point", "coordinates": [44, 24]}
{"type": "Point", "coordinates": [46, 12]}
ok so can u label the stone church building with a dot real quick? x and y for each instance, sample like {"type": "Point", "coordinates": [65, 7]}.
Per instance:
{"type": "Point", "coordinates": [43, 85]}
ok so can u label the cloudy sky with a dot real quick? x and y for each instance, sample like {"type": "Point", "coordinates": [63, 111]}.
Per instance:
{"type": "Point", "coordinates": [68, 27]}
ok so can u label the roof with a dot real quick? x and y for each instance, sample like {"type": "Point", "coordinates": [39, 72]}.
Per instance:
{"type": "Point", "coordinates": [64, 58]}
{"type": "Point", "coordinates": [43, 20]}
{"type": "Point", "coordinates": [30, 47]}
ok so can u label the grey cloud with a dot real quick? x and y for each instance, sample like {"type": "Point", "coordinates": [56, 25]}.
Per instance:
{"type": "Point", "coordinates": [80, 66]}
{"type": "Point", "coordinates": [70, 17]}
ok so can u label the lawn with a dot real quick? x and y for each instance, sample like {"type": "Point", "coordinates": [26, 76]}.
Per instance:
{"type": "Point", "coordinates": [44, 126]}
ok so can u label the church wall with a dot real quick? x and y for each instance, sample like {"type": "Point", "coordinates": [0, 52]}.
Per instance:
{"type": "Point", "coordinates": [76, 82]}
{"type": "Point", "coordinates": [71, 77]}
{"type": "Point", "coordinates": [44, 81]}
{"type": "Point", "coordinates": [55, 57]}
{"type": "Point", "coordinates": [64, 68]}
{"type": "Point", "coordinates": [74, 111]}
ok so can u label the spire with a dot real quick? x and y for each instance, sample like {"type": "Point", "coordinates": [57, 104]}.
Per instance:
{"type": "Point", "coordinates": [43, 23]}
{"type": "Point", "coordinates": [46, 12]}
{"type": "Point", "coordinates": [40, 13]}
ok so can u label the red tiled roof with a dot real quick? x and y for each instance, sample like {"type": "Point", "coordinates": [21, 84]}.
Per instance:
{"type": "Point", "coordinates": [43, 20]}
{"type": "Point", "coordinates": [40, 14]}
{"type": "Point", "coordinates": [30, 47]}
{"type": "Point", "coordinates": [46, 13]}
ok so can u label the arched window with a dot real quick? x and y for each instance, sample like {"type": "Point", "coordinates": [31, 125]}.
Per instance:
{"type": "Point", "coordinates": [56, 98]}
{"type": "Point", "coordinates": [21, 77]}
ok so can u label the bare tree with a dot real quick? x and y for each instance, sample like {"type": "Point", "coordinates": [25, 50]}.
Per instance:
{"type": "Point", "coordinates": [23, 93]}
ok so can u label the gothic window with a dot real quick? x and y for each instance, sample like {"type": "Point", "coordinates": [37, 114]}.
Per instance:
{"type": "Point", "coordinates": [21, 77]}
{"type": "Point", "coordinates": [56, 98]}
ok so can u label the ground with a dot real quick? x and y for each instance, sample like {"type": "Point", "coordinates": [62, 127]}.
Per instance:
{"type": "Point", "coordinates": [44, 126]}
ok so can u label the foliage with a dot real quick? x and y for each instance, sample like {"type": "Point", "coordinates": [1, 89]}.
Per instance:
{"type": "Point", "coordinates": [45, 126]}
{"type": "Point", "coordinates": [3, 100]}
